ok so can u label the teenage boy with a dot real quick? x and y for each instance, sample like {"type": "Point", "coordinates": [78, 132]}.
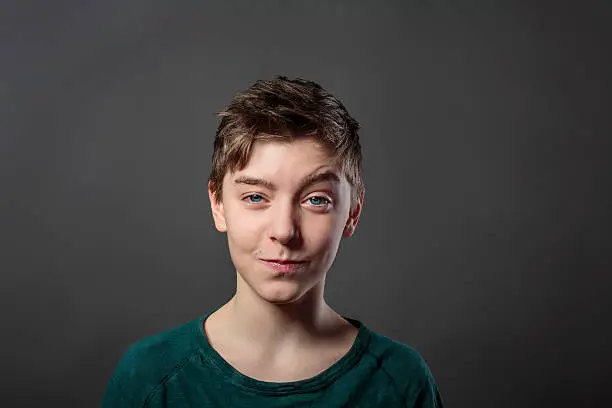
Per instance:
{"type": "Point", "coordinates": [286, 187]}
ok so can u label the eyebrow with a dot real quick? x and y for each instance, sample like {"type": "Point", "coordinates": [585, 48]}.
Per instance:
{"type": "Point", "coordinates": [305, 182]}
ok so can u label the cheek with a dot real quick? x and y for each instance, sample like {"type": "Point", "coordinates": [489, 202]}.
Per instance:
{"type": "Point", "coordinates": [322, 234]}
{"type": "Point", "coordinates": [242, 230]}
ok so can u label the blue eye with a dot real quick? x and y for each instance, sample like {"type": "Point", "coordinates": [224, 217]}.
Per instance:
{"type": "Point", "coordinates": [318, 201]}
{"type": "Point", "coordinates": [254, 198]}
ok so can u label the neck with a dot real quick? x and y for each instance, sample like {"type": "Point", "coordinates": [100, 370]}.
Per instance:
{"type": "Point", "coordinates": [276, 326]}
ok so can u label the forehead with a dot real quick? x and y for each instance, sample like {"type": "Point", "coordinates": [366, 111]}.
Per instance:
{"type": "Point", "coordinates": [286, 158]}
{"type": "Point", "coordinates": [288, 165]}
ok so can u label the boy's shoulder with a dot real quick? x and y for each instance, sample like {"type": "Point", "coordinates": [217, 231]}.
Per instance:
{"type": "Point", "coordinates": [148, 361]}
{"type": "Point", "coordinates": [396, 355]}
{"type": "Point", "coordinates": [166, 347]}
{"type": "Point", "coordinates": [406, 367]}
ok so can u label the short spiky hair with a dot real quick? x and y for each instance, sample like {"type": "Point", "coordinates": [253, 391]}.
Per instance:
{"type": "Point", "coordinates": [282, 109]}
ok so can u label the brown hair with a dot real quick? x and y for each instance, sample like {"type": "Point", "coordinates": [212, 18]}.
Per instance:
{"type": "Point", "coordinates": [282, 109]}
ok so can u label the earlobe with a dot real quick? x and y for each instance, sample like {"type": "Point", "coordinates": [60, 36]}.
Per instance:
{"type": "Point", "coordinates": [217, 209]}
{"type": "Point", "coordinates": [348, 231]}
{"type": "Point", "coordinates": [351, 223]}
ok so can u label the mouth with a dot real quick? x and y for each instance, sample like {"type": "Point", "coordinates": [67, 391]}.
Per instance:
{"type": "Point", "coordinates": [284, 261]}
{"type": "Point", "coordinates": [284, 265]}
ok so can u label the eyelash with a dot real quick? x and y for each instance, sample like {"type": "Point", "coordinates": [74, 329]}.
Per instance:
{"type": "Point", "coordinates": [327, 200]}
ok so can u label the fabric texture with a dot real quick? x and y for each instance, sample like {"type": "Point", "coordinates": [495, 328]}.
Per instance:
{"type": "Point", "coordinates": [179, 368]}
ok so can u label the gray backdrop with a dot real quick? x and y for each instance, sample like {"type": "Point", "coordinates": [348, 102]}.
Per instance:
{"type": "Point", "coordinates": [484, 241]}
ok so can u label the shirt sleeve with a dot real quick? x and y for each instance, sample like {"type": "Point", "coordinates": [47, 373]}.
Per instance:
{"type": "Point", "coordinates": [124, 389]}
{"type": "Point", "coordinates": [116, 395]}
{"type": "Point", "coordinates": [424, 393]}
{"type": "Point", "coordinates": [428, 397]}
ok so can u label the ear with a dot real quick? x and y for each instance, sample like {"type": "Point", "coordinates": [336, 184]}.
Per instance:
{"type": "Point", "coordinates": [353, 219]}
{"type": "Point", "coordinates": [218, 213]}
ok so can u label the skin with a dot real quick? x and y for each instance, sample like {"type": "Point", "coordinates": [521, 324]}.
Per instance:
{"type": "Point", "coordinates": [282, 321]}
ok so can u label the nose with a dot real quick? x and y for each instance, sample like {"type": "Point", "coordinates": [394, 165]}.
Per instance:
{"type": "Point", "coordinates": [285, 224]}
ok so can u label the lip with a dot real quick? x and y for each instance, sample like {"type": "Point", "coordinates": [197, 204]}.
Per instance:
{"type": "Point", "coordinates": [283, 266]}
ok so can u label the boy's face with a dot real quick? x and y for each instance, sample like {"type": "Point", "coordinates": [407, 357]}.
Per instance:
{"type": "Point", "coordinates": [275, 210]}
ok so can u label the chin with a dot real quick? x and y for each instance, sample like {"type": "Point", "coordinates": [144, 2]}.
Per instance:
{"type": "Point", "coordinates": [281, 293]}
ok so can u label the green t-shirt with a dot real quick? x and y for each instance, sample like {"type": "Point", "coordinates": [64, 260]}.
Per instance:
{"type": "Point", "coordinates": [179, 368]}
